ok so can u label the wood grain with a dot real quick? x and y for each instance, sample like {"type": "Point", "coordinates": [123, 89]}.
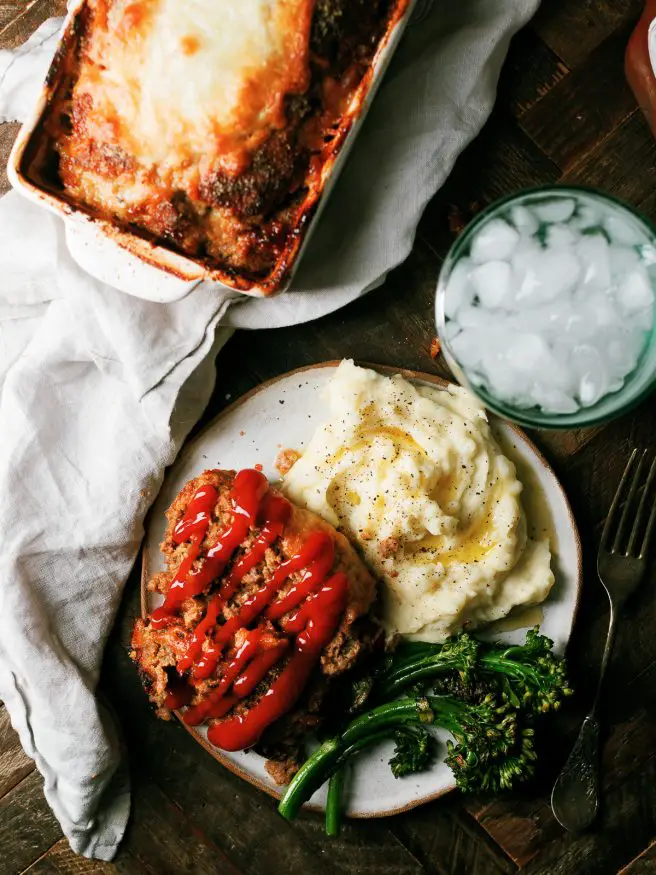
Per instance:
{"type": "Point", "coordinates": [584, 107]}
{"type": "Point", "coordinates": [644, 863]}
{"type": "Point", "coordinates": [14, 763]}
{"type": "Point", "coordinates": [564, 113]}
{"type": "Point", "coordinates": [27, 825]}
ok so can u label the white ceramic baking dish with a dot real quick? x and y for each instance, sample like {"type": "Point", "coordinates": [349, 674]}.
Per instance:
{"type": "Point", "coordinates": [27, 160]}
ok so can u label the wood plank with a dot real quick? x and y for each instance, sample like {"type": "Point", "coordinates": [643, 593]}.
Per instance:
{"type": "Point", "coordinates": [8, 134]}
{"type": "Point", "coordinates": [584, 107]}
{"type": "Point", "coordinates": [534, 839]}
{"type": "Point", "coordinates": [573, 30]}
{"type": "Point", "coordinates": [60, 860]}
{"type": "Point", "coordinates": [27, 825]}
{"type": "Point", "coordinates": [14, 762]}
{"type": "Point", "coordinates": [18, 27]}
{"type": "Point", "coordinates": [562, 445]}
{"type": "Point", "coordinates": [625, 164]}
{"type": "Point", "coordinates": [161, 838]}
{"type": "Point", "coordinates": [529, 72]}
{"type": "Point", "coordinates": [643, 864]}
{"type": "Point", "coordinates": [448, 841]}
{"type": "Point", "coordinates": [11, 9]}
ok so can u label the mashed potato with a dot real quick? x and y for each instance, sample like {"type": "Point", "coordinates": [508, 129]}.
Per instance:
{"type": "Point", "coordinates": [414, 477]}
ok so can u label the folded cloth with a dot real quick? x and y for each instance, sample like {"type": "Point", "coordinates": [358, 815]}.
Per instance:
{"type": "Point", "coordinates": [98, 389]}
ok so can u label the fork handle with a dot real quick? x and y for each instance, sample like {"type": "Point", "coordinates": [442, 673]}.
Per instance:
{"type": "Point", "coordinates": [575, 796]}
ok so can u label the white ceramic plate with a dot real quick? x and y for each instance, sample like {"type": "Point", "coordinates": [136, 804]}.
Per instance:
{"type": "Point", "coordinates": [284, 413]}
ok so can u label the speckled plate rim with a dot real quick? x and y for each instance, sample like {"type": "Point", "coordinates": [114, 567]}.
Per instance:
{"type": "Point", "coordinates": [387, 370]}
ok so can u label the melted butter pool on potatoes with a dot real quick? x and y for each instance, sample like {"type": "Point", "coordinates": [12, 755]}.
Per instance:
{"type": "Point", "coordinates": [414, 476]}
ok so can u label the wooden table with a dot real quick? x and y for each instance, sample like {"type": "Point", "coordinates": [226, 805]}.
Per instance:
{"type": "Point", "coordinates": [563, 113]}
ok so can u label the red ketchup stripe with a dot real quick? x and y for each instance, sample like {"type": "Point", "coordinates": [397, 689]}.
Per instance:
{"type": "Point", "coordinates": [313, 577]}
{"type": "Point", "coordinates": [244, 730]}
{"type": "Point", "coordinates": [198, 514]}
{"type": "Point", "coordinates": [201, 631]}
{"type": "Point", "coordinates": [247, 491]}
{"type": "Point", "coordinates": [257, 670]}
{"type": "Point", "coordinates": [206, 710]}
{"type": "Point", "coordinates": [317, 555]}
{"type": "Point", "coordinates": [162, 616]}
{"type": "Point", "coordinates": [242, 657]}
{"type": "Point", "coordinates": [178, 694]}
{"type": "Point", "coordinates": [277, 511]}
{"type": "Point", "coordinates": [251, 609]}
{"type": "Point", "coordinates": [267, 536]}
{"type": "Point", "coordinates": [296, 622]}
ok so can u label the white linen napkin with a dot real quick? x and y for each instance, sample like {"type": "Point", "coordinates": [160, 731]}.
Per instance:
{"type": "Point", "coordinates": [98, 389]}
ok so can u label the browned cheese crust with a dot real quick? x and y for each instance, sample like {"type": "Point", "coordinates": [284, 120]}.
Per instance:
{"type": "Point", "coordinates": [240, 213]}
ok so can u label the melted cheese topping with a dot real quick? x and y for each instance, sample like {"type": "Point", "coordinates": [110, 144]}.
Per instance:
{"type": "Point", "coordinates": [175, 81]}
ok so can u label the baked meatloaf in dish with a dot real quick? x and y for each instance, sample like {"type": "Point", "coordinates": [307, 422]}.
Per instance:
{"type": "Point", "coordinates": [265, 604]}
{"type": "Point", "coordinates": [210, 127]}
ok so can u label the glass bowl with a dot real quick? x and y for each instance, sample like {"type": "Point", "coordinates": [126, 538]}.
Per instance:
{"type": "Point", "coordinates": [639, 382]}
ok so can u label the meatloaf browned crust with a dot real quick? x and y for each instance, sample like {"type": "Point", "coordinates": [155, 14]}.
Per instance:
{"type": "Point", "coordinates": [158, 650]}
{"type": "Point", "coordinates": [234, 209]}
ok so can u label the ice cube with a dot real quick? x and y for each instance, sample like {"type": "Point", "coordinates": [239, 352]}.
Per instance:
{"type": "Point", "coordinates": [495, 241]}
{"type": "Point", "coordinates": [597, 308]}
{"type": "Point", "coordinates": [585, 218]}
{"type": "Point", "coordinates": [577, 323]}
{"type": "Point", "coordinates": [524, 220]}
{"type": "Point", "coordinates": [492, 282]}
{"type": "Point", "coordinates": [548, 275]}
{"type": "Point", "coordinates": [503, 380]}
{"type": "Point", "coordinates": [635, 293]}
{"type": "Point", "coordinates": [559, 236]}
{"type": "Point", "coordinates": [592, 377]}
{"type": "Point", "coordinates": [620, 348]}
{"type": "Point", "coordinates": [536, 320]}
{"type": "Point", "coordinates": [523, 262]}
{"type": "Point", "coordinates": [468, 346]}
{"type": "Point", "coordinates": [553, 400]}
{"type": "Point", "coordinates": [593, 250]}
{"type": "Point", "coordinates": [554, 209]}
{"type": "Point", "coordinates": [473, 317]}
{"type": "Point", "coordinates": [624, 230]}
{"type": "Point", "coordinates": [622, 260]}
{"type": "Point", "coordinates": [528, 352]}
{"type": "Point", "coordinates": [458, 290]}
{"type": "Point", "coordinates": [647, 254]}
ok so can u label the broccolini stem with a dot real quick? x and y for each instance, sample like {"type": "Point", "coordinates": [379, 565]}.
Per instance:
{"type": "Point", "coordinates": [390, 714]}
{"type": "Point", "coordinates": [367, 729]}
{"type": "Point", "coordinates": [334, 802]}
{"type": "Point", "coordinates": [314, 771]}
{"type": "Point", "coordinates": [411, 672]}
{"type": "Point", "coordinates": [519, 670]}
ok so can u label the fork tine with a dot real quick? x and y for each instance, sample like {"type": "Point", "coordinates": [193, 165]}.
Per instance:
{"type": "Point", "coordinates": [633, 488]}
{"type": "Point", "coordinates": [640, 515]}
{"type": "Point", "coordinates": [652, 515]}
{"type": "Point", "coordinates": [610, 519]}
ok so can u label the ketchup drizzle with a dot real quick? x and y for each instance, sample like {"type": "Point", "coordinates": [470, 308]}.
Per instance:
{"type": "Point", "coordinates": [247, 491]}
{"type": "Point", "coordinates": [244, 730]}
{"type": "Point", "coordinates": [319, 605]}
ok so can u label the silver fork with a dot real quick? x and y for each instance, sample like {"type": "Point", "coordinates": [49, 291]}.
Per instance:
{"type": "Point", "coordinates": [621, 567]}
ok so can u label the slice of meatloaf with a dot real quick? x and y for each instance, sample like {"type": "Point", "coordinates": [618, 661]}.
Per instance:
{"type": "Point", "coordinates": [158, 649]}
